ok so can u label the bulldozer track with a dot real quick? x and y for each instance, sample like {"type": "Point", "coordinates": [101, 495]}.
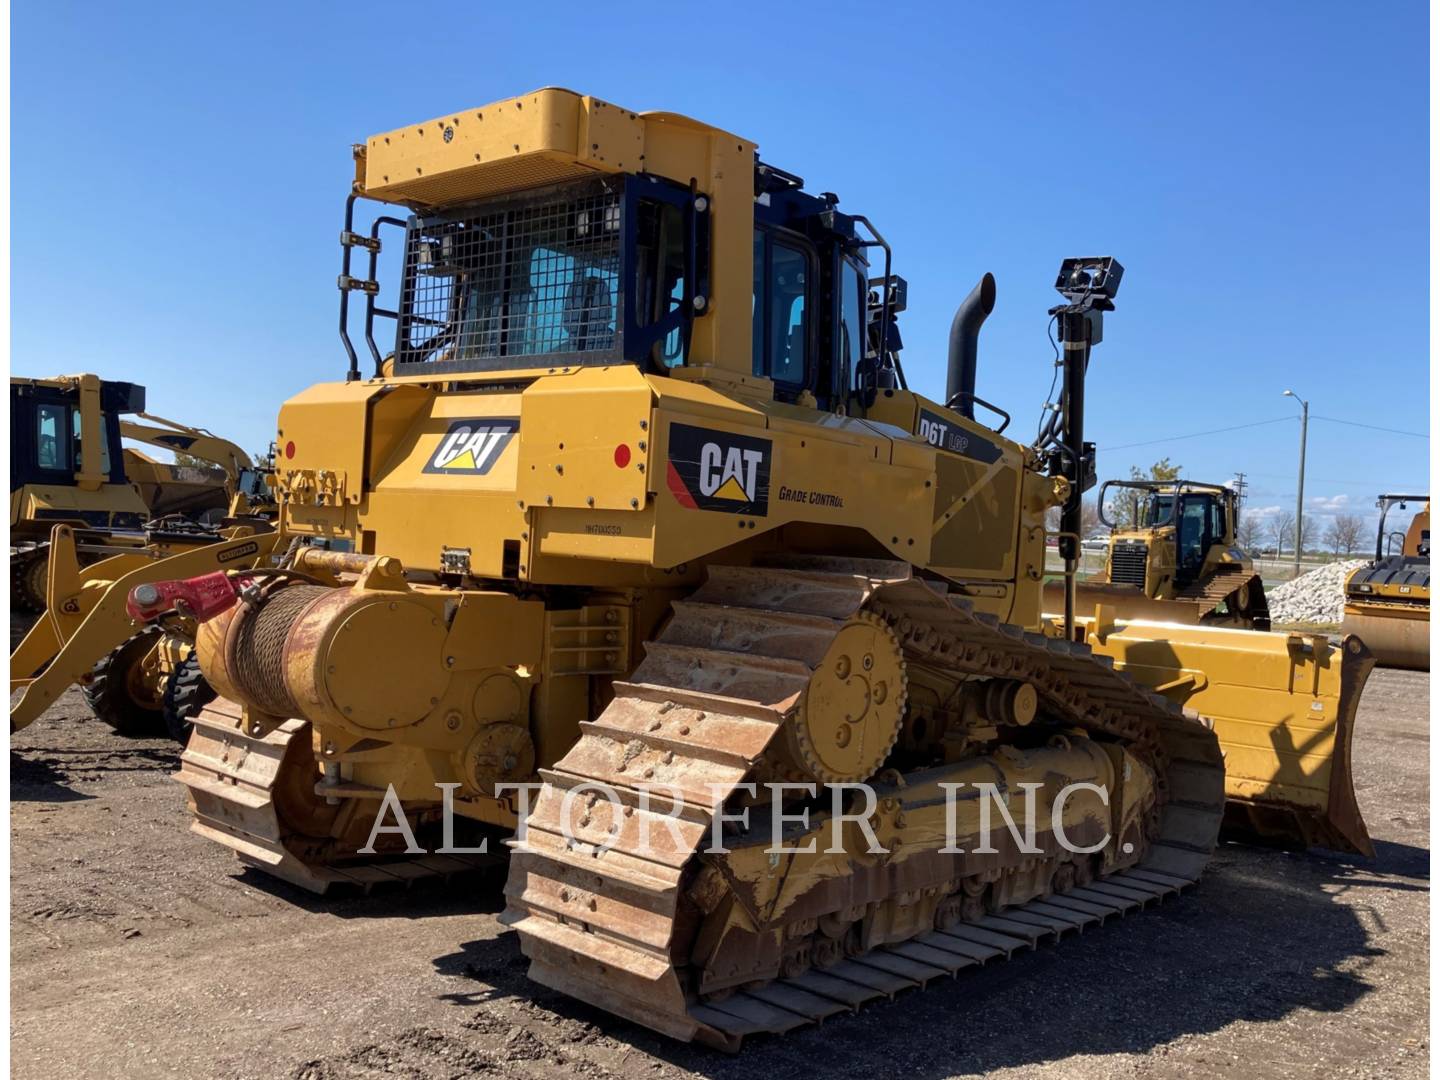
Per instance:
{"type": "Point", "coordinates": [239, 786]}
{"type": "Point", "coordinates": [1209, 593]}
{"type": "Point", "coordinates": [601, 913]}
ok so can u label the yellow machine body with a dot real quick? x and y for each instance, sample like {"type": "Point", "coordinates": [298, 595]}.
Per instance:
{"type": "Point", "coordinates": [172, 488]}
{"type": "Point", "coordinates": [1283, 706]}
{"type": "Point", "coordinates": [85, 620]}
{"type": "Point", "coordinates": [82, 510]}
{"type": "Point", "coordinates": [1184, 565]}
{"type": "Point", "coordinates": [63, 470]}
{"type": "Point", "coordinates": [1387, 601]}
{"type": "Point", "coordinates": [60, 474]}
{"type": "Point", "coordinates": [712, 541]}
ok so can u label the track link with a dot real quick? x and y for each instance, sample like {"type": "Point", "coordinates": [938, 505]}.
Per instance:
{"type": "Point", "coordinates": [605, 919]}
{"type": "Point", "coordinates": [1227, 581]}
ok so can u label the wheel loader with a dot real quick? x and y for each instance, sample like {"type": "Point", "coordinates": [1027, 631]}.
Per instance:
{"type": "Point", "coordinates": [640, 510]}
{"type": "Point", "coordinates": [87, 513]}
{"type": "Point", "coordinates": [1387, 601]}
{"type": "Point", "coordinates": [1176, 559]}
{"type": "Point", "coordinates": [114, 494]}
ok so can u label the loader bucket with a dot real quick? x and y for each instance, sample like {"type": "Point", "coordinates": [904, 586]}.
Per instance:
{"type": "Point", "coordinates": [1283, 706]}
{"type": "Point", "coordinates": [1398, 635]}
{"type": "Point", "coordinates": [85, 615]}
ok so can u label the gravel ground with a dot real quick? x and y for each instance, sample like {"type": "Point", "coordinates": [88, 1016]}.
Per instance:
{"type": "Point", "coordinates": [139, 949]}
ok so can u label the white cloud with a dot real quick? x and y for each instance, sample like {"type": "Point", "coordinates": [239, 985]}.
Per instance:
{"type": "Point", "coordinates": [1331, 504]}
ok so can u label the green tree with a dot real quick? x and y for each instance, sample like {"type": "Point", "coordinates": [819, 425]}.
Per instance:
{"type": "Point", "coordinates": [1161, 470]}
{"type": "Point", "coordinates": [1126, 507]}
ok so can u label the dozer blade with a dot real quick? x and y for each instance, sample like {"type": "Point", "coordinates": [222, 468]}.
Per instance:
{"type": "Point", "coordinates": [1283, 706]}
{"type": "Point", "coordinates": [85, 614]}
{"type": "Point", "coordinates": [1398, 635]}
{"type": "Point", "coordinates": [1127, 601]}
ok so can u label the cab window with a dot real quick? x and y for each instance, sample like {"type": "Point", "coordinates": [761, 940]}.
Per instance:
{"type": "Point", "coordinates": [1160, 510]}
{"type": "Point", "coordinates": [1194, 516]}
{"type": "Point", "coordinates": [780, 318]}
{"type": "Point", "coordinates": [52, 449]}
{"type": "Point", "coordinates": [851, 339]}
{"type": "Point", "coordinates": [660, 259]}
{"type": "Point", "coordinates": [79, 436]}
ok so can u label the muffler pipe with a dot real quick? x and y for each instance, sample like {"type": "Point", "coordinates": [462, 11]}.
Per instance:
{"type": "Point", "coordinates": [964, 346]}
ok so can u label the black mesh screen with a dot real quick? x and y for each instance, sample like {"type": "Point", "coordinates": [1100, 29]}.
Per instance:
{"type": "Point", "coordinates": [516, 282]}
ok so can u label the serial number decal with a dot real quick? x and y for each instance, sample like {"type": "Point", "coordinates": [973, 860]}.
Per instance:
{"type": "Point", "coordinates": [237, 552]}
{"type": "Point", "coordinates": [811, 497]}
{"type": "Point", "coordinates": [603, 530]}
{"type": "Point", "coordinates": [948, 435]}
{"type": "Point", "coordinates": [718, 470]}
{"type": "Point", "coordinates": [471, 446]}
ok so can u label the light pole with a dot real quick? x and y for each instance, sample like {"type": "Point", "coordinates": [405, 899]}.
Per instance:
{"type": "Point", "coordinates": [1300, 494]}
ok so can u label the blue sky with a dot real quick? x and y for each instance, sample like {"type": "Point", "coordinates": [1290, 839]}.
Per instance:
{"type": "Point", "coordinates": [1261, 170]}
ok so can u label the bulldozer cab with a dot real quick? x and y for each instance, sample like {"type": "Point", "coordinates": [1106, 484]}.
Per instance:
{"type": "Point", "coordinates": [49, 420]}
{"type": "Point", "coordinates": [1200, 521]}
{"type": "Point", "coordinates": [603, 271]}
{"type": "Point", "coordinates": [66, 459]}
{"type": "Point", "coordinates": [1196, 521]}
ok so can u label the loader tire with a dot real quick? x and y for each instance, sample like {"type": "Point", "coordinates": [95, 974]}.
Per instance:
{"type": "Point", "coordinates": [120, 693]}
{"type": "Point", "coordinates": [186, 693]}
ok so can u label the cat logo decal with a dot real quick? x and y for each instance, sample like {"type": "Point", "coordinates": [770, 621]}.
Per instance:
{"type": "Point", "coordinates": [470, 447]}
{"type": "Point", "coordinates": [719, 470]}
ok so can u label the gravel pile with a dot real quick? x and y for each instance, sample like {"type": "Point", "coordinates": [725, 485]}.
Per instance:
{"type": "Point", "coordinates": [1316, 597]}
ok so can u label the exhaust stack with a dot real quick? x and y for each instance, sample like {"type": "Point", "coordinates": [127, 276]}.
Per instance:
{"type": "Point", "coordinates": [964, 343]}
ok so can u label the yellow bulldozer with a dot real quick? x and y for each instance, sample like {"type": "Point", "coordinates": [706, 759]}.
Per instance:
{"type": "Point", "coordinates": [86, 513]}
{"type": "Point", "coordinates": [640, 519]}
{"type": "Point", "coordinates": [1174, 558]}
{"type": "Point", "coordinates": [1387, 601]}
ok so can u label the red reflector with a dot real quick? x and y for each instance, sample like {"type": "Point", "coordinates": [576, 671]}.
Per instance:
{"type": "Point", "coordinates": [289, 449]}
{"type": "Point", "coordinates": [622, 456]}
{"type": "Point", "coordinates": [201, 597]}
